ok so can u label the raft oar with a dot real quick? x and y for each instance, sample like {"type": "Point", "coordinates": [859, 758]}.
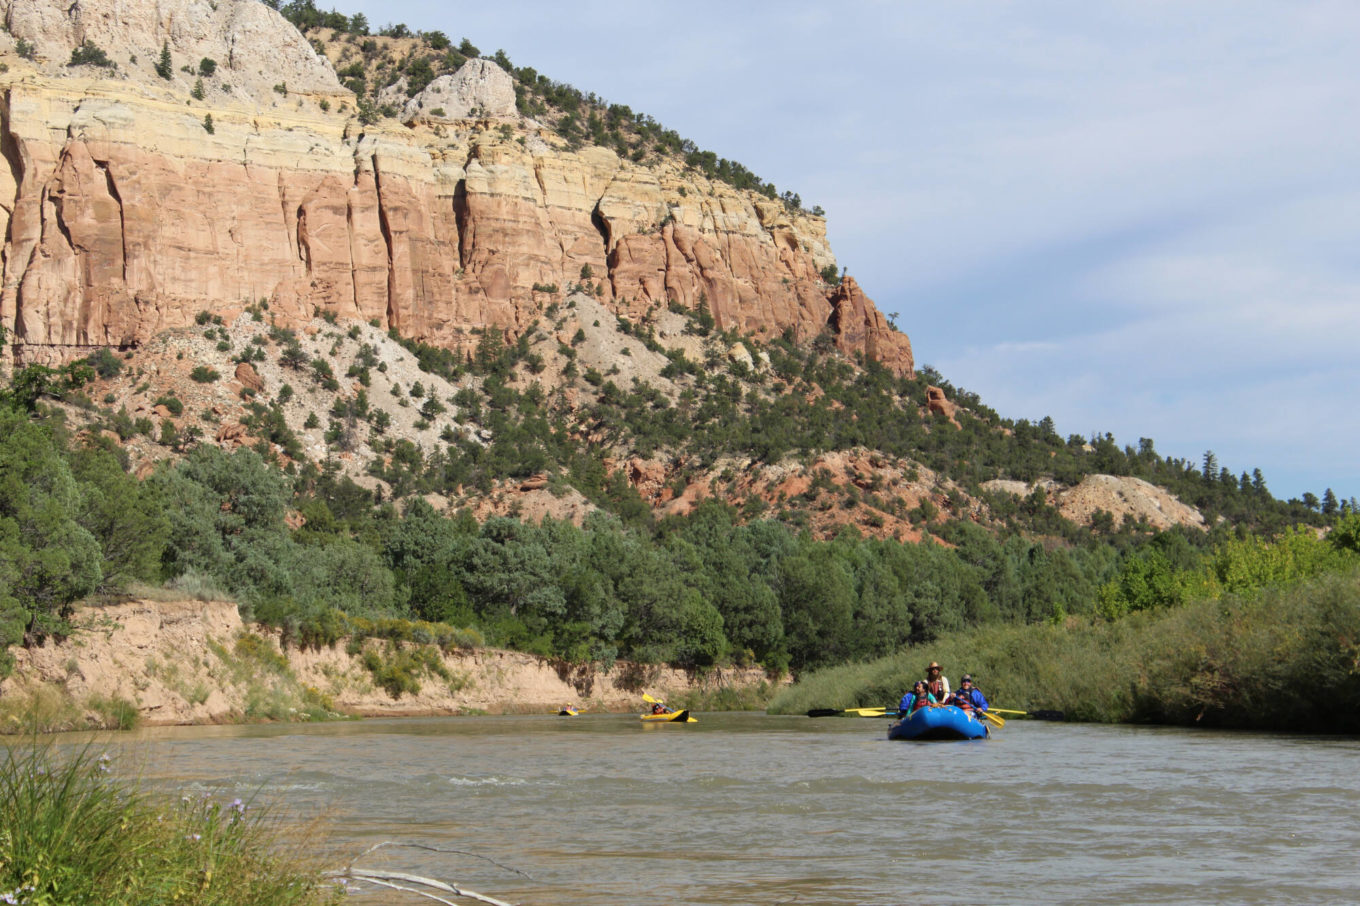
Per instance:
{"type": "Point", "coordinates": [860, 712]}
{"type": "Point", "coordinates": [1036, 715]}
{"type": "Point", "coordinates": [996, 719]}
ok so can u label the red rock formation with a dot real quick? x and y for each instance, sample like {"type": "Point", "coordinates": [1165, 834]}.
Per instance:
{"type": "Point", "coordinates": [249, 377]}
{"type": "Point", "coordinates": [860, 327]}
{"type": "Point", "coordinates": [937, 402]}
{"type": "Point", "coordinates": [125, 217]}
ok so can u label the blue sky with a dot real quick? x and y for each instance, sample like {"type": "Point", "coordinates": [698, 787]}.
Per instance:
{"type": "Point", "coordinates": [1140, 218]}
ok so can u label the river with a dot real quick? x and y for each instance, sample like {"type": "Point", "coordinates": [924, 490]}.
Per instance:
{"type": "Point", "coordinates": [751, 808]}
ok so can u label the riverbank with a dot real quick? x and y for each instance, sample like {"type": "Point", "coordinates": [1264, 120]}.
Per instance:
{"type": "Point", "coordinates": [196, 662]}
{"type": "Point", "coordinates": [1287, 658]}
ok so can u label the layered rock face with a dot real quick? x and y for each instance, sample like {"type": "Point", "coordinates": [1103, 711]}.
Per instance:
{"type": "Point", "coordinates": [131, 205]}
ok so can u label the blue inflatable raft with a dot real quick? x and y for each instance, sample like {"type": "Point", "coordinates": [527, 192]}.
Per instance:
{"type": "Point", "coordinates": [947, 722]}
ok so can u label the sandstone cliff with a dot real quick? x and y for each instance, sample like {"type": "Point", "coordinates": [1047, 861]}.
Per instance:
{"type": "Point", "coordinates": [129, 204]}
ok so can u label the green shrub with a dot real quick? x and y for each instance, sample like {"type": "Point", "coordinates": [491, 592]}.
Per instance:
{"type": "Point", "coordinates": [171, 403]}
{"type": "Point", "coordinates": [115, 713]}
{"type": "Point", "coordinates": [204, 375]}
{"type": "Point", "coordinates": [105, 363]}
{"type": "Point", "coordinates": [90, 54]}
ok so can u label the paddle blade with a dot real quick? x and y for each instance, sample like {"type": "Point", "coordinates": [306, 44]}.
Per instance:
{"type": "Point", "coordinates": [825, 712]}
{"type": "Point", "coordinates": [995, 720]}
{"type": "Point", "coordinates": [867, 712]}
{"type": "Point", "coordinates": [651, 701]}
{"type": "Point", "coordinates": [1048, 715]}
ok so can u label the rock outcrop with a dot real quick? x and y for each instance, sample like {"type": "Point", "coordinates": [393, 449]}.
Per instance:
{"type": "Point", "coordinates": [1123, 497]}
{"type": "Point", "coordinates": [131, 204]}
{"type": "Point", "coordinates": [478, 88]}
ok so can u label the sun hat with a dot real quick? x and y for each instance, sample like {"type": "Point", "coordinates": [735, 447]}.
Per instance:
{"type": "Point", "coordinates": [933, 666]}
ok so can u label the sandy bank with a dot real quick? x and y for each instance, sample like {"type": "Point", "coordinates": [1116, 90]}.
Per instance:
{"type": "Point", "coordinates": [193, 662]}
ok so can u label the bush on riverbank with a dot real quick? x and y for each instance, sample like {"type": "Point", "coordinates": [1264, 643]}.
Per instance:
{"type": "Point", "coordinates": [70, 832]}
{"type": "Point", "coordinates": [1287, 658]}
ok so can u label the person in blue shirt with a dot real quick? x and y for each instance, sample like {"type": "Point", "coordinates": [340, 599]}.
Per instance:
{"type": "Point", "coordinates": [972, 694]}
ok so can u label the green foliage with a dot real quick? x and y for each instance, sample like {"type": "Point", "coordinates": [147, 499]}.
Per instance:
{"type": "Point", "coordinates": [1281, 660]}
{"type": "Point", "coordinates": [172, 403]}
{"type": "Point", "coordinates": [164, 65]}
{"type": "Point", "coordinates": [204, 375]}
{"type": "Point", "coordinates": [105, 363]}
{"type": "Point", "coordinates": [48, 559]}
{"type": "Point", "coordinates": [73, 832]}
{"type": "Point", "coordinates": [399, 668]}
{"type": "Point", "coordinates": [206, 67]}
{"type": "Point", "coordinates": [90, 54]}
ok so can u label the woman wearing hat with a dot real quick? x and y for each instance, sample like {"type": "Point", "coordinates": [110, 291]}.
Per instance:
{"type": "Point", "coordinates": [936, 683]}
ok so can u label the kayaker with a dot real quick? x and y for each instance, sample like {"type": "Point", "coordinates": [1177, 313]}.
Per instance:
{"type": "Point", "coordinates": [658, 708]}
{"type": "Point", "coordinates": [918, 697]}
{"type": "Point", "coordinates": [973, 694]}
{"type": "Point", "coordinates": [936, 683]}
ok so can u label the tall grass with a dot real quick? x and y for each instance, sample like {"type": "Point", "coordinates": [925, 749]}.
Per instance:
{"type": "Point", "coordinates": [1286, 658]}
{"type": "Point", "coordinates": [72, 833]}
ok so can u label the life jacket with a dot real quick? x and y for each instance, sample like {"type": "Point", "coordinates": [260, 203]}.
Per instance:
{"type": "Point", "coordinates": [963, 703]}
{"type": "Point", "coordinates": [919, 700]}
{"type": "Point", "coordinates": [936, 688]}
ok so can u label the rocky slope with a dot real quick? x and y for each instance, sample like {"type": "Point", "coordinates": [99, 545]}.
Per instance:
{"type": "Point", "coordinates": [133, 201]}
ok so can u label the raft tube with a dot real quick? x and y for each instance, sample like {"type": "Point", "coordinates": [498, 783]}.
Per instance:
{"type": "Point", "coordinates": [945, 722]}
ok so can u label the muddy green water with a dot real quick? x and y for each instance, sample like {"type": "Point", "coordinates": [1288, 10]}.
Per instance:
{"type": "Point", "coordinates": [751, 808]}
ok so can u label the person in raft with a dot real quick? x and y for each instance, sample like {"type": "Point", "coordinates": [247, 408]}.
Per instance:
{"type": "Point", "coordinates": [936, 683]}
{"type": "Point", "coordinates": [918, 697]}
{"type": "Point", "coordinates": [972, 694]}
{"type": "Point", "coordinates": [658, 708]}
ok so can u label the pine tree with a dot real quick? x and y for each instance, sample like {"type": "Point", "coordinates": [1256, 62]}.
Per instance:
{"type": "Point", "coordinates": [163, 66]}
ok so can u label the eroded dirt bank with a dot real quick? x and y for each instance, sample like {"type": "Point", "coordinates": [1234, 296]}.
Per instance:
{"type": "Point", "coordinates": [189, 662]}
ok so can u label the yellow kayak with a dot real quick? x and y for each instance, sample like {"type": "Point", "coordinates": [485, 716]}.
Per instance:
{"type": "Point", "coordinates": [678, 717]}
{"type": "Point", "coordinates": [568, 712]}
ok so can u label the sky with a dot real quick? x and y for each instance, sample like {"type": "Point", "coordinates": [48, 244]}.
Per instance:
{"type": "Point", "coordinates": [1139, 218]}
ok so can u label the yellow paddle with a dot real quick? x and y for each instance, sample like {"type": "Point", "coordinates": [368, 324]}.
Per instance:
{"type": "Point", "coordinates": [996, 719]}
{"type": "Point", "coordinates": [655, 701]}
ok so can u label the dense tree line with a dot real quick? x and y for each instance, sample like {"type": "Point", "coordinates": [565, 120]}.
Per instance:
{"type": "Point", "coordinates": [697, 590]}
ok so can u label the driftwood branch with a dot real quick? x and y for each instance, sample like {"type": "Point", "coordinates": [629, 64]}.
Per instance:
{"type": "Point", "coordinates": [436, 849]}
{"type": "Point", "coordinates": [389, 879]}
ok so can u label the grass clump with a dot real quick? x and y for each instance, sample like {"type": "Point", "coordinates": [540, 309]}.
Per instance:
{"type": "Point", "coordinates": [73, 833]}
